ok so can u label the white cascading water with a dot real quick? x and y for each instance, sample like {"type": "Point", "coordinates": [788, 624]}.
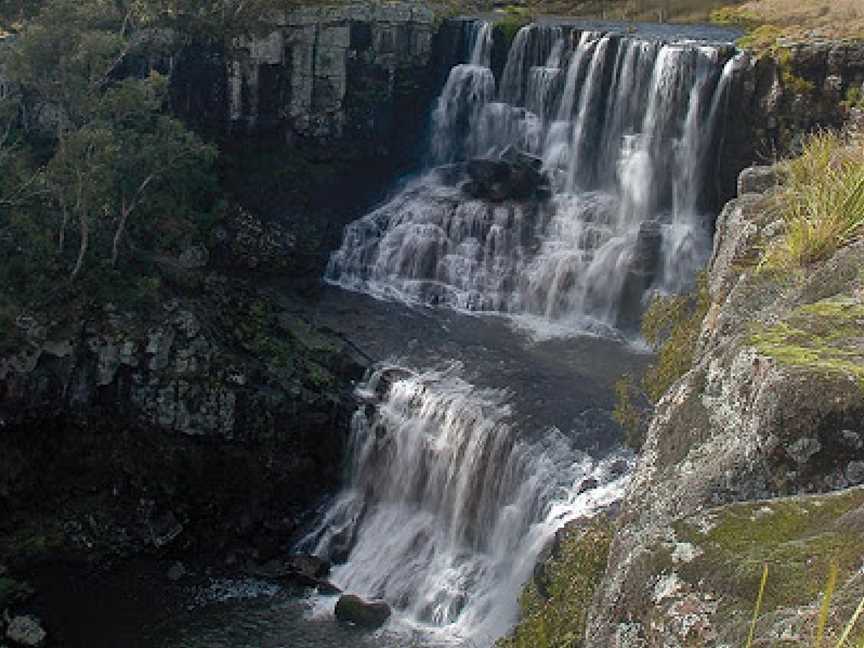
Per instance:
{"type": "Point", "coordinates": [448, 502]}
{"type": "Point", "coordinates": [625, 128]}
{"type": "Point", "coordinates": [447, 507]}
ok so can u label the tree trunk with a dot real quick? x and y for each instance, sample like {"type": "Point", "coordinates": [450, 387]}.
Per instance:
{"type": "Point", "coordinates": [119, 234]}
{"type": "Point", "coordinates": [82, 250]}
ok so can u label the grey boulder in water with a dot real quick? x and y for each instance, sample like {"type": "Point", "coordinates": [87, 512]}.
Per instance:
{"type": "Point", "coordinates": [367, 614]}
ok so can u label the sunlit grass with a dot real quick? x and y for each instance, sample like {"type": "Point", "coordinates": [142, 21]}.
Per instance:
{"type": "Point", "coordinates": [821, 199]}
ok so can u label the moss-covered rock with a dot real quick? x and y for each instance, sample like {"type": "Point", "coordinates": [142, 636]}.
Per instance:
{"type": "Point", "coordinates": [773, 406]}
{"type": "Point", "coordinates": [556, 601]}
{"type": "Point", "coordinates": [705, 594]}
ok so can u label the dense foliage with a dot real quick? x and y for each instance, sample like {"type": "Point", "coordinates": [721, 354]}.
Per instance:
{"type": "Point", "coordinates": [97, 178]}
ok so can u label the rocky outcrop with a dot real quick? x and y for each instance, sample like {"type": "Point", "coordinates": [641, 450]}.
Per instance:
{"type": "Point", "coordinates": [168, 423]}
{"type": "Point", "coordinates": [322, 72]}
{"type": "Point", "coordinates": [773, 407]}
{"type": "Point", "coordinates": [515, 175]}
{"type": "Point", "coordinates": [26, 631]}
{"type": "Point", "coordinates": [775, 99]}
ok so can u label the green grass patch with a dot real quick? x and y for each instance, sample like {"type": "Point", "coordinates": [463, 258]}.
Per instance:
{"type": "Point", "coordinates": [826, 337]}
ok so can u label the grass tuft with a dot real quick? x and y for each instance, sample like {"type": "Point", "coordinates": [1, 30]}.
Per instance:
{"type": "Point", "coordinates": [822, 201]}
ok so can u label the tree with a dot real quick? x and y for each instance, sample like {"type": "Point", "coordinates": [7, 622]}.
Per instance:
{"type": "Point", "coordinates": [14, 12]}
{"type": "Point", "coordinates": [116, 155]}
{"type": "Point", "coordinates": [153, 149]}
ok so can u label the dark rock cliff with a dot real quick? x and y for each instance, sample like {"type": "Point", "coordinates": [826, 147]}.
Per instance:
{"type": "Point", "coordinates": [776, 99]}
{"type": "Point", "coordinates": [221, 411]}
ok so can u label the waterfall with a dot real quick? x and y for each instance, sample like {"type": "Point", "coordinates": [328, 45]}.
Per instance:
{"type": "Point", "coordinates": [626, 128]}
{"type": "Point", "coordinates": [447, 506]}
{"type": "Point", "coordinates": [448, 501]}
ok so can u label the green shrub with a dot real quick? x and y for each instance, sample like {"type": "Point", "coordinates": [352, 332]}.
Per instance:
{"type": "Point", "coordinates": [630, 411]}
{"type": "Point", "coordinates": [515, 18]}
{"type": "Point", "coordinates": [761, 40]}
{"type": "Point", "coordinates": [854, 98]}
{"type": "Point", "coordinates": [735, 17]}
{"type": "Point", "coordinates": [671, 326]}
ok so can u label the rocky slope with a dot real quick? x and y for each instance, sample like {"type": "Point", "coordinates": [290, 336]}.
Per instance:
{"type": "Point", "coordinates": [773, 407]}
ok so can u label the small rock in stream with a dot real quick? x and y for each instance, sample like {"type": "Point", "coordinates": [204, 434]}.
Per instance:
{"type": "Point", "coordinates": [367, 614]}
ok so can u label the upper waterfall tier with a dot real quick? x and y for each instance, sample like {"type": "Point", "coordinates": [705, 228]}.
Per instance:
{"type": "Point", "coordinates": [568, 188]}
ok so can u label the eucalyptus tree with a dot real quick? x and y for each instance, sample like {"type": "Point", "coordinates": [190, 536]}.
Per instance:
{"type": "Point", "coordinates": [117, 151]}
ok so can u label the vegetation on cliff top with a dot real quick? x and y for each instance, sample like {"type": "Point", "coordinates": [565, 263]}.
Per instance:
{"type": "Point", "coordinates": [771, 20]}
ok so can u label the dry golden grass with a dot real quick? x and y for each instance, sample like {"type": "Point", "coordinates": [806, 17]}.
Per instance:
{"type": "Point", "coordinates": [635, 10]}
{"type": "Point", "coordinates": [813, 18]}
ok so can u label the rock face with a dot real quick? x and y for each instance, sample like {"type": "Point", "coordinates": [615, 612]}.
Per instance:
{"type": "Point", "coordinates": [777, 100]}
{"type": "Point", "coordinates": [772, 407]}
{"type": "Point", "coordinates": [223, 414]}
{"type": "Point", "coordinates": [353, 609]}
{"type": "Point", "coordinates": [26, 631]}
{"type": "Point", "coordinates": [322, 71]}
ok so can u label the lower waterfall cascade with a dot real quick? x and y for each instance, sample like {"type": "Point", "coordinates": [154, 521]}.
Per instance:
{"type": "Point", "coordinates": [447, 506]}
{"type": "Point", "coordinates": [563, 193]}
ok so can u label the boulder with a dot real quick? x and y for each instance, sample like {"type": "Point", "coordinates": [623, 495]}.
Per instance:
{"type": "Point", "coordinates": [26, 630]}
{"type": "Point", "coordinates": [309, 565]}
{"type": "Point", "coordinates": [450, 174]}
{"type": "Point", "coordinates": [517, 157]}
{"type": "Point", "coordinates": [517, 176]}
{"type": "Point", "coordinates": [486, 172]}
{"type": "Point", "coordinates": [367, 614]}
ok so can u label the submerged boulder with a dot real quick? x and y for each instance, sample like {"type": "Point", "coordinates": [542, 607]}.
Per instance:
{"type": "Point", "coordinates": [367, 614]}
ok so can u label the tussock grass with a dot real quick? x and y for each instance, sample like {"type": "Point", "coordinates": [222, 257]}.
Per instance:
{"type": "Point", "coordinates": [821, 200]}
